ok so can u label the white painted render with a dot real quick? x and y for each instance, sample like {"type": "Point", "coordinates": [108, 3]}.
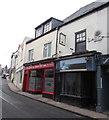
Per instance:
{"type": "Point", "coordinates": [38, 46]}
{"type": "Point", "coordinates": [92, 22]}
{"type": "Point", "coordinates": [108, 29]}
{"type": "Point", "coordinates": [19, 63]}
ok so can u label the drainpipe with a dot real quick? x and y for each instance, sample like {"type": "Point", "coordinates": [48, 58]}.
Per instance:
{"type": "Point", "coordinates": [56, 56]}
{"type": "Point", "coordinates": [57, 41]}
{"type": "Point", "coordinates": [99, 107]}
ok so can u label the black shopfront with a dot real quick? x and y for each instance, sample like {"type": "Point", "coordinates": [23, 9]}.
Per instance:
{"type": "Point", "coordinates": [76, 80]}
{"type": "Point", "coordinates": [103, 87]}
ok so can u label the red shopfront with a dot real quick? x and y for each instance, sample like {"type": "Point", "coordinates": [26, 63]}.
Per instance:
{"type": "Point", "coordinates": [39, 78]}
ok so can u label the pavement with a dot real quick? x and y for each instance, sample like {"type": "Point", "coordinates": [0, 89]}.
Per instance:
{"type": "Point", "coordinates": [73, 109]}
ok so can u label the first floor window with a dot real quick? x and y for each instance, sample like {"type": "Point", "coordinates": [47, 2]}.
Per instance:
{"type": "Point", "coordinates": [30, 56]}
{"type": "Point", "coordinates": [80, 38]}
{"type": "Point", "coordinates": [62, 39]}
{"type": "Point", "coordinates": [47, 50]}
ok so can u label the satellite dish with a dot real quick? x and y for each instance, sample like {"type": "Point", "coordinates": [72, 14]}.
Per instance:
{"type": "Point", "coordinates": [97, 33]}
{"type": "Point", "coordinates": [97, 36]}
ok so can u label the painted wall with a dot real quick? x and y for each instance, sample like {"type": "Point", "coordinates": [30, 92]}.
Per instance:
{"type": "Point", "coordinates": [92, 23]}
{"type": "Point", "coordinates": [19, 64]}
{"type": "Point", "coordinates": [108, 29]}
{"type": "Point", "coordinates": [38, 46]}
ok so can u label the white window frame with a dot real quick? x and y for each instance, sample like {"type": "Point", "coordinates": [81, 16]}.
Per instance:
{"type": "Point", "coordinates": [39, 31]}
{"type": "Point", "coordinates": [47, 27]}
{"type": "Point", "coordinates": [30, 54]}
{"type": "Point", "coordinates": [47, 50]}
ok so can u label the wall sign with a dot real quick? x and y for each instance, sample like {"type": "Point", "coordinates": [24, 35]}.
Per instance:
{"type": "Point", "coordinates": [40, 66]}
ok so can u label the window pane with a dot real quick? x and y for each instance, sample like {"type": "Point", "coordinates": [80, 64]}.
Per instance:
{"type": "Point", "coordinates": [49, 80]}
{"type": "Point", "coordinates": [32, 79]}
{"type": "Point", "coordinates": [80, 41]}
{"type": "Point", "coordinates": [78, 35]}
{"type": "Point", "coordinates": [84, 34]}
{"type": "Point", "coordinates": [39, 79]}
{"type": "Point", "coordinates": [84, 38]}
{"type": "Point", "coordinates": [47, 50]}
{"type": "Point", "coordinates": [71, 84]}
{"type": "Point", "coordinates": [47, 27]}
{"type": "Point", "coordinates": [39, 31]}
{"type": "Point", "coordinates": [30, 56]}
{"type": "Point", "coordinates": [81, 46]}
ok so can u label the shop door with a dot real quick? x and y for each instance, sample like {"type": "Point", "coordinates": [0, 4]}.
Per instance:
{"type": "Point", "coordinates": [25, 81]}
{"type": "Point", "coordinates": [105, 88]}
{"type": "Point", "coordinates": [39, 79]}
{"type": "Point", "coordinates": [89, 88]}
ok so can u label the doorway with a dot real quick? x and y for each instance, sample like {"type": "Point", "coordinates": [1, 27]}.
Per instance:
{"type": "Point", "coordinates": [89, 88]}
{"type": "Point", "coordinates": [105, 89]}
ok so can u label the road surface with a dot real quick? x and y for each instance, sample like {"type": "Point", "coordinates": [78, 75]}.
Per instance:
{"type": "Point", "coordinates": [17, 106]}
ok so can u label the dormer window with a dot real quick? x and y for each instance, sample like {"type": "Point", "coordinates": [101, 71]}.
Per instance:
{"type": "Point", "coordinates": [39, 31]}
{"type": "Point", "coordinates": [47, 27]}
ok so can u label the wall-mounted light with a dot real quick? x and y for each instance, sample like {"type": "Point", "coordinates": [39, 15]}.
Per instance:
{"type": "Point", "coordinates": [60, 51]}
{"type": "Point", "coordinates": [71, 49]}
{"type": "Point", "coordinates": [86, 58]}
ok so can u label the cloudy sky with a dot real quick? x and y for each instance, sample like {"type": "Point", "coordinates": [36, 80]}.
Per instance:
{"type": "Point", "coordinates": [18, 18]}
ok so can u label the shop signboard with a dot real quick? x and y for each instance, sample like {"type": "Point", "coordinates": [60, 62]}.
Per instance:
{"type": "Point", "coordinates": [83, 63]}
{"type": "Point", "coordinates": [40, 66]}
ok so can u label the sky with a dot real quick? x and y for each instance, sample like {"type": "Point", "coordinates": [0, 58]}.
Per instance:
{"type": "Point", "coordinates": [18, 18]}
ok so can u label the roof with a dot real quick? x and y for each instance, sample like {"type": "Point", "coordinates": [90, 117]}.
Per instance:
{"type": "Point", "coordinates": [85, 10]}
{"type": "Point", "coordinates": [48, 21]}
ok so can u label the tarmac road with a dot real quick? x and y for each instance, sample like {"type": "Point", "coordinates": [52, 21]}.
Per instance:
{"type": "Point", "coordinates": [17, 106]}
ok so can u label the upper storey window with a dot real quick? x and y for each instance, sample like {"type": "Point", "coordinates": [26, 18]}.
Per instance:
{"type": "Point", "coordinates": [30, 54]}
{"type": "Point", "coordinates": [47, 27]}
{"type": "Point", "coordinates": [39, 31]}
{"type": "Point", "coordinates": [80, 38]}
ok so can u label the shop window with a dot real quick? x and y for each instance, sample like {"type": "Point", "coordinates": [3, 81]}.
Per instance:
{"type": "Point", "coordinates": [32, 79]}
{"type": "Point", "coordinates": [39, 79]}
{"type": "Point", "coordinates": [47, 50]}
{"type": "Point", "coordinates": [71, 84]}
{"type": "Point", "coordinates": [49, 80]}
{"type": "Point", "coordinates": [80, 38]}
{"type": "Point", "coordinates": [35, 79]}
